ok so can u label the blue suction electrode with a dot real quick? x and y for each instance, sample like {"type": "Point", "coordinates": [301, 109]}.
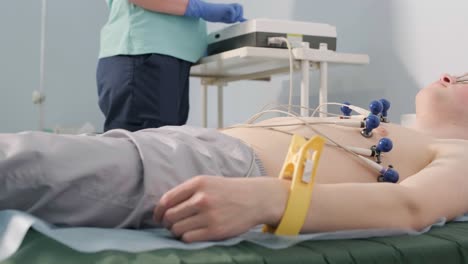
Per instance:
{"type": "Point", "coordinates": [376, 107]}
{"type": "Point", "coordinates": [386, 105]}
{"type": "Point", "coordinates": [384, 145]}
{"type": "Point", "coordinates": [389, 175]}
{"type": "Point", "coordinates": [371, 123]}
{"type": "Point", "coordinates": [346, 110]}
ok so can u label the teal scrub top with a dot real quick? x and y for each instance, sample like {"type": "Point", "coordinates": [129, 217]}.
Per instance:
{"type": "Point", "coordinates": [132, 30]}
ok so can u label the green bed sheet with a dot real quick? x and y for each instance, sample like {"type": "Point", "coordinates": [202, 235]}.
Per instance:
{"type": "Point", "coordinates": [448, 244]}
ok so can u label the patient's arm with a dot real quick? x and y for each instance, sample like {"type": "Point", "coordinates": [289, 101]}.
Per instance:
{"type": "Point", "coordinates": [374, 205]}
{"type": "Point", "coordinates": [439, 190]}
{"type": "Point", "coordinates": [216, 208]}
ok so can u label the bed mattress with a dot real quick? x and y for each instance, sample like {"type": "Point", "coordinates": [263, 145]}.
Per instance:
{"type": "Point", "coordinates": [447, 244]}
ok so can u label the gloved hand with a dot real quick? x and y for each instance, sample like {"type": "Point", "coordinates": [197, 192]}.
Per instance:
{"type": "Point", "coordinates": [226, 13]}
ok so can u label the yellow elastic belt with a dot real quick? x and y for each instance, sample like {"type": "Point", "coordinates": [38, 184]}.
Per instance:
{"type": "Point", "coordinates": [300, 167]}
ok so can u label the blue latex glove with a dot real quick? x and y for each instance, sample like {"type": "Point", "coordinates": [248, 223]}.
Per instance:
{"type": "Point", "coordinates": [226, 13]}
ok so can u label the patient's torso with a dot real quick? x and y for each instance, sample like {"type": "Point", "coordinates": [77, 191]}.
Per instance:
{"type": "Point", "coordinates": [412, 151]}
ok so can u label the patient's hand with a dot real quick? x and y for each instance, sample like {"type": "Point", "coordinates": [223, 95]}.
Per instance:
{"type": "Point", "coordinates": [216, 208]}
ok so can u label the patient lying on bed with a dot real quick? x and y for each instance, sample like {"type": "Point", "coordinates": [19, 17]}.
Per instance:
{"type": "Point", "coordinates": [168, 176]}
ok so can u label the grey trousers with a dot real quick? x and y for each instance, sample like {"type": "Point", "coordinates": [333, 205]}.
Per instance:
{"type": "Point", "coordinates": [112, 180]}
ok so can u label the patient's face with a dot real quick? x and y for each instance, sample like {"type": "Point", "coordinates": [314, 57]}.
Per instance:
{"type": "Point", "coordinates": [442, 101]}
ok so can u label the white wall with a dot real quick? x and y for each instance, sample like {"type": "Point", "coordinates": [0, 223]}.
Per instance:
{"type": "Point", "coordinates": [410, 43]}
{"type": "Point", "coordinates": [364, 26]}
{"type": "Point", "coordinates": [431, 37]}
{"type": "Point", "coordinates": [19, 62]}
{"type": "Point", "coordinates": [71, 51]}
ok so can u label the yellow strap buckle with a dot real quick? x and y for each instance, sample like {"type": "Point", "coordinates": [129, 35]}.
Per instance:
{"type": "Point", "coordinates": [300, 167]}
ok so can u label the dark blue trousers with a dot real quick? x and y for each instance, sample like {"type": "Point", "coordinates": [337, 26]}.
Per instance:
{"type": "Point", "coordinates": [143, 91]}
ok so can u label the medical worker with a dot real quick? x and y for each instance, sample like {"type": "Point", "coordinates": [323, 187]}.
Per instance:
{"type": "Point", "coordinates": [147, 49]}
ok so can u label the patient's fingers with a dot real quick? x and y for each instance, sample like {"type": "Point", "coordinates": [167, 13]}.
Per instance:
{"type": "Point", "coordinates": [175, 196]}
{"type": "Point", "coordinates": [181, 211]}
{"type": "Point", "coordinates": [202, 234]}
{"type": "Point", "coordinates": [188, 224]}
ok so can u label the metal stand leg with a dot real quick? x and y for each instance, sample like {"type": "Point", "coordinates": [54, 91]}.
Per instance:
{"type": "Point", "coordinates": [323, 93]}
{"type": "Point", "coordinates": [204, 105]}
{"type": "Point", "coordinates": [220, 106]}
{"type": "Point", "coordinates": [305, 67]}
{"type": "Point", "coordinates": [305, 83]}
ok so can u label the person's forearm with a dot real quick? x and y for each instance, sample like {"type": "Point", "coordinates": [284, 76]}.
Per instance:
{"type": "Point", "coordinates": [225, 13]}
{"type": "Point", "coordinates": [172, 7]}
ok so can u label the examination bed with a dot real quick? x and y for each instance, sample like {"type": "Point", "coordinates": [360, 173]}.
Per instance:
{"type": "Point", "coordinates": [447, 244]}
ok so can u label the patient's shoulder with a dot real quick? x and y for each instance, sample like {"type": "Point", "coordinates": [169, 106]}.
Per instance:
{"type": "Point", "coordinates": [451, 155]}
{"type": "Point", "coordinates": [457, 147]}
